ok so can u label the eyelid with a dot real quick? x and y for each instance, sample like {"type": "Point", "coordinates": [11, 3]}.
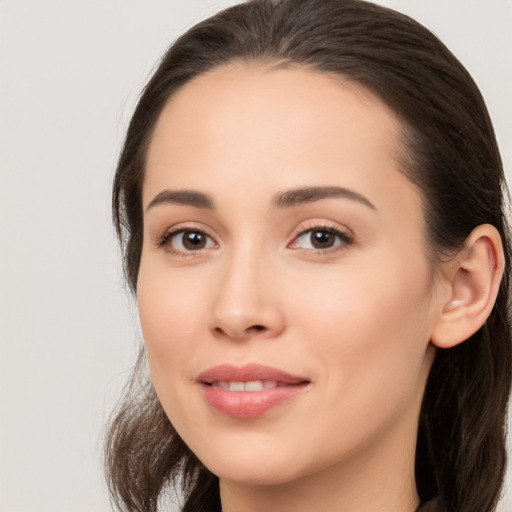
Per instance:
{"type": "Point", "coordinates": [164, 239]}
{"type": "Point", "coordinates": [345, 235]}
{"type": "Point", "coordinates": [182, 226]}
{"type": "Point", "coordinates": [321, 224]}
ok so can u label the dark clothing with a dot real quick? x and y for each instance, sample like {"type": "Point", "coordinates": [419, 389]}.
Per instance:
{"type": "Point", "coordinates": [430, 506]}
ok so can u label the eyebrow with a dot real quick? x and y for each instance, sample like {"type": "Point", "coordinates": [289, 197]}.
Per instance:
{"type": "Point", "coordinates": [296, 196]}
{"type": "Point", "coordinates": [182, 197]}
{"type": "Point", "coordinates": [286, 199]}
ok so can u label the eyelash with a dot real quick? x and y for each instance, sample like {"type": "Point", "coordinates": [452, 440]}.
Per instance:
{"type": "Point", "coordinates": [167, 237]}
{"type": "Point", "coordinates": [344, 238]}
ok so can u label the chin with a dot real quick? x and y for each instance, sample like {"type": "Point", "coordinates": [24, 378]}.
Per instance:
{"type": "Point", "coordinates": [252, 473]}
{"type": "Point", "coordinates": [251, 459]}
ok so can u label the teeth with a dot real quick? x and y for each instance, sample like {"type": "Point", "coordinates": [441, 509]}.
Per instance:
{"type": "Point", "coordinates": [236, 386]}
{"type": "Point", "coordinates": [253, 385]}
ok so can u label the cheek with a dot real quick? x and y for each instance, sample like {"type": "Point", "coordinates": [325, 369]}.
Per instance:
{"type": "Point", "coordinates": [368, 337]}
{"type": "Point", "coordinates": [369, 327]}
{"type": "Point", "coordinates": [171, 313]}
{"type": "Point", "coordinates": [357, 300]}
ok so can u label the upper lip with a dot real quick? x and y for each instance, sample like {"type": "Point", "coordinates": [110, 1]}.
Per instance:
{"type": "Point", "coordinates": [247, 373]}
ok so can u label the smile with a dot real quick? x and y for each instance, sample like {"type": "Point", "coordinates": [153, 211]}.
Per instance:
{"type": "Point", "coordinates": [249, 391]}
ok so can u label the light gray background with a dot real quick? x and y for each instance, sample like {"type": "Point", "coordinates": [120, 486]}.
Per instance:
{"type": "Point", "coordinates": [70, 73]}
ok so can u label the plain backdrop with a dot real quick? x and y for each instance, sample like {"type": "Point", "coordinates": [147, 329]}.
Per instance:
{"type": "Point", "coordinates": [70, 73]}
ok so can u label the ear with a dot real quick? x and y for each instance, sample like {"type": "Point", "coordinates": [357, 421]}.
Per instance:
{"type": "Point", "coordinates": [473, 277]}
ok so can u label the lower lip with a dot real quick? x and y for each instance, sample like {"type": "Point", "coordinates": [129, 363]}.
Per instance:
{"type": "Point", "coordinates": [249, 404]}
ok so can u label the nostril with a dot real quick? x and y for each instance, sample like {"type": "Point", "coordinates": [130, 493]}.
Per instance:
{"type": "Point", "coordinates": [239, 334]}
{"type": "Point", "coordinates": [219, 331]}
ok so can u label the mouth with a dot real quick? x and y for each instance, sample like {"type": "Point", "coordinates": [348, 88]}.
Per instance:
{"type": "Point", "coordinates": [252, 385]}
{"type": "Point", "coordinates": [249, 391]}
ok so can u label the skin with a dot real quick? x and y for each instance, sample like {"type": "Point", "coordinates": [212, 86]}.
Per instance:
{"type": "Point", "coordinates": [356, 319]}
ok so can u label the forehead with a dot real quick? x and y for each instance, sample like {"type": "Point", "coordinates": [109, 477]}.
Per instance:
{"type": "Point", "coordinates": [264, 104]}
{"type": "Point", "coordinates": [244, 126]}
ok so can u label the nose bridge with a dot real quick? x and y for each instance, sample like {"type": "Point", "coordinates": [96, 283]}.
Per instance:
{"type": "Point", "coordinates": [244, 303]}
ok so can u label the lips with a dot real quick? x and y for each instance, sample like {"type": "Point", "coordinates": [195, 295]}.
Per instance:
{"type": "Point", "coordinates": [249, 391]}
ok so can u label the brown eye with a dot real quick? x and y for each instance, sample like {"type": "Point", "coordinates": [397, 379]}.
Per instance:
{"type": "Point", "coordinates": [188, 240]}
{"type": "Point", "coordinates": [193, 240]}
{"type": "Point", "coordinates": [321, 239]}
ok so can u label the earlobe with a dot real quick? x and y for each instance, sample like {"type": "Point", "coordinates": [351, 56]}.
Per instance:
{"type": "Point", "coordinates": [474, 277]}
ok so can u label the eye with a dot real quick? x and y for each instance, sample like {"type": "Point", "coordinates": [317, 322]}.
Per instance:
{"type": "Point", "coordinates": [187, 240]}
{"type": "Point", "coordinates": [321, 239]}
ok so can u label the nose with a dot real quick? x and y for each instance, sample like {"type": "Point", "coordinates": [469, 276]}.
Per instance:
{"type": "Point", "coordinates": [245, 304]}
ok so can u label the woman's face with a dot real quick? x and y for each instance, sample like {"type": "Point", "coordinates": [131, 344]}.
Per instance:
{"type": "Point", "coordinates": [285, 295]}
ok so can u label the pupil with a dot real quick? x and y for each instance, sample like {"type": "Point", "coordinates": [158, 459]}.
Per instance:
{"type": "Point", "coordinates": [194, 240]}
{"type": "Point", "coordinates": [322, 239]}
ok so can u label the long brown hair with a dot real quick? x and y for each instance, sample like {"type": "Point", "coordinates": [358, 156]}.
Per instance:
{"type": "Point", "coordinates": [450, 153]}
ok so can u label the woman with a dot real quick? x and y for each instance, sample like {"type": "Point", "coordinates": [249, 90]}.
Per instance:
{"type": "Point", "coordinates": [310, 202]}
